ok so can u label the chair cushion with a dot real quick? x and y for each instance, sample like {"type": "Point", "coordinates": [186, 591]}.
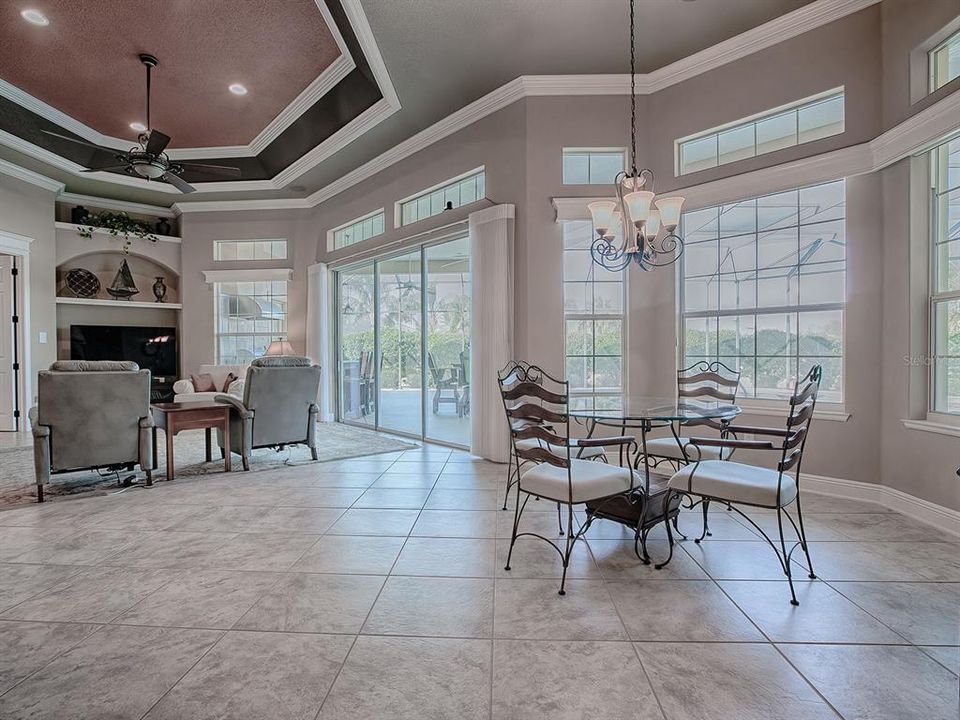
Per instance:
{"type": "Point", "coordinates": [668, 447]}
{"type": "Point", "coordinates": [588, 453]}
{"type": "Point", "coordinates": [94, 366]}
{"type": "Point", "coordinates": [281, 361]}
{"type": "Point", "coordinates": [591, 480]}
{"type": "Point", "coordinates": [735, 482]}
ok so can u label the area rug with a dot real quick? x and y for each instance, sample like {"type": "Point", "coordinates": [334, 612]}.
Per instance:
{"type": "Point", "coordinates": [335, 441]}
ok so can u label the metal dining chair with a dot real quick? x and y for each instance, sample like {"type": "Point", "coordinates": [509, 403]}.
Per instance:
{"type": "Point", "coordinates": [535, 404]}
{"type": "Point", "coordinates": [737, 484]}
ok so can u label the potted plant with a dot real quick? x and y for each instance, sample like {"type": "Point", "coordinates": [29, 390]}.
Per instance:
{"type": "Point", "coordinates": [120, 225]}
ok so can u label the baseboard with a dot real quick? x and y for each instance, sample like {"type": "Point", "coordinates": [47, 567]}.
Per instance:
{"type": "Point", "coordinates": [937, 516]}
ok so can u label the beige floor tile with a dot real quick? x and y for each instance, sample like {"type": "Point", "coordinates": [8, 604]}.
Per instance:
{"type": "Point", "coordinates": [532, 609]}
{"type": "Point", "coordinates": [367, 521]}
{"type": "Point", "coordinates": [454, 557]}
{"type": "Point", "coordinates": [349, 554]}
{"type": "Point", "coordinates": [456, 523]}
{"type": "Point", "coordinates": [451, 607]}
{"type": "Point", "coordinates": [25, 647]}
{"type": "Point", "coordinates": [20, 582]}
{"type": "Point", "coordinates": [924, 613]}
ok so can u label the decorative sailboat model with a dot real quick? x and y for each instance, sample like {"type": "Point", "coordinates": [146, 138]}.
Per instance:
{"type": "Point", "coordinates": [123, 285]}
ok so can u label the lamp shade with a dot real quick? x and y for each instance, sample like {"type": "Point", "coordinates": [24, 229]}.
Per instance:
{"type": "Point", "coordinates": [670, 211]}
{"type": "Point", "coordinates": [638, 204]}
{"type": "Point", "coordinates": [279, 347]}
{"type": "Point", "coordinates": [653, 224]}
{"type": "Point", "coordinates": [602, 213]}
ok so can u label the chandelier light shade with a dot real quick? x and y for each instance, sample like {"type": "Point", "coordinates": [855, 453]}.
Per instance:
{"type": "Point", "coordinates": [645, 222]}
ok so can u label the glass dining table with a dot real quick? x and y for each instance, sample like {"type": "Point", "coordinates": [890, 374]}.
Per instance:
{"type": "Point", "coordinates": [644, 508]}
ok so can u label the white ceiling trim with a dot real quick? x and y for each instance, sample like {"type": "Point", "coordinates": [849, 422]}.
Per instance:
{"type": "Point", "coordinates": [119, 205]}
{"type": "Point", "coordinates": [250, 275]}
{"type": "Point", "coordinates": [29, 176]}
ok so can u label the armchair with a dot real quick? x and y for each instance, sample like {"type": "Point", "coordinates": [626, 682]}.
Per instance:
{"type": "Point", "coordinates": [91, 415]}
{"type": "Point", "coordinates": [735, 483]}
{"type": "Point", "coordinates": [278, 406]}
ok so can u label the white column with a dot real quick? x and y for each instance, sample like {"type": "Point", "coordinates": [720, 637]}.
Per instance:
{"type": "Point", "coordinates": [491, 343]}
{"type": "Point", "coordinates": [318, 333]}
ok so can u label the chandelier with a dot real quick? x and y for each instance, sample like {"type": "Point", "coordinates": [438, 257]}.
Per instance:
{"type": "Point", "coordinates": [648, 223]}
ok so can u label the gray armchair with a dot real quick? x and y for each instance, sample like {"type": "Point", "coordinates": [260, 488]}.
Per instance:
{"type": "Point", "coordinates": [278, 408]}
{"type": "Point", "coordinates": [91, 415]}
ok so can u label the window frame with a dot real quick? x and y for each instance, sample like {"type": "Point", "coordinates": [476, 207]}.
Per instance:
{"type": "Point", "coordinates": [936, 296]}
{"type": "Point", "coordinates": [332, 233]}
{"type": "Point", "coordinates": [588, 151]}
{"type": "Point", "coordinates": [479, 172]}
{"type": "Point", "coordinates": [769, 405]}
{"type": "Point", "coordinates": [933, 83]}
{"type": "Point", "coordinates": [594, 316]}
{"type": "Point", "coordinates": [218, 244]}
{"type": "Point", "coordinates": [752, 121]}
{"type": "Point", "coordinates": [217, 334]}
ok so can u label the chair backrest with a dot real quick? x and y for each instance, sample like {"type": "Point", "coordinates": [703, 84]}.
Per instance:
{"type": "Point", "coordinates": [532, 400]}
{"type": "Point", "coordinates": [802, 405]}
{"type": "Point", "coordinates": [434, 370]}
{"type": "Point", "coordinates": [708, 381]}
{"type": "Point", "coordinates": [93, 410]}
{"type": "Point", "coordinates": [280, 389]}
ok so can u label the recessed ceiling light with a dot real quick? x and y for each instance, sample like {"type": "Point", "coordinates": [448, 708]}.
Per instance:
{"type": "Point", "coordinates": [138, 126]}
{"type": "Point", "coordinates": [34, 17]}
{"type": "Point", "coordinates": [237, 89]}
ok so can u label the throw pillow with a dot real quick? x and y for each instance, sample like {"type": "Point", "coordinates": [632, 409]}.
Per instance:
{"type": "Point", "coordinates": [203, 383]}
{"type": "Point", "coordinates": [226, 385]}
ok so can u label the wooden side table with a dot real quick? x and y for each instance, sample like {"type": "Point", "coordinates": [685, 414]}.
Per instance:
{"type": "Point", "coordinates": [174, 417]}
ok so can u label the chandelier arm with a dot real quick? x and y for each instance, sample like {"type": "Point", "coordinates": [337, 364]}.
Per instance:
{"type": "Point", "coordinates": [609, 257]}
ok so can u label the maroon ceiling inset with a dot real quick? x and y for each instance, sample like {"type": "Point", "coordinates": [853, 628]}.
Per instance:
{"type": "Point", "coordinates": [84, 63]}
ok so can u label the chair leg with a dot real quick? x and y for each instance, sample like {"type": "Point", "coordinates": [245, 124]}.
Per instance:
{"type": "Point", "coordinates": [39, 493]}
{"type": "Point", "coordinates": [313, 453]}
{"type": "Point", "coordinates": [666, 506]}
{"type": "Point", "coordinates": [559, 519]}
{"type": "Point", "coordinates": [513, 535]}
{"type": "Point", "coordinates": [513, 459]}
{"type": "Point", "coordinates": [803, 541]}
{"type": "Point", "coordinates": [571, 541]}
{"type": "Point", "coordinates": [705, 506]}
{"type": "Point", "coordinates": [786, 558]}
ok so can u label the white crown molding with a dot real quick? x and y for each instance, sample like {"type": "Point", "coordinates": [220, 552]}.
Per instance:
{"type": "Point", "coordinates": [249, 275]}
{"type": "Point", "coordinates": [29, 176]}
{"type": "Point", "coordinates": [505, 211]}
{"type": "Point", "coordinates": [925, 511]}
{"type": "Point", "coordinates": [119, 205]}
{"type": "Point", "coordinates": [917, 133]}
{"type": "Point", "coordinates": [186, 208]}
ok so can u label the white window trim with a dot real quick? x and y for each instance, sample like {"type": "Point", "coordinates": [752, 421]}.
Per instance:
{"type": "Point", "coordinates": [751, 119]}
{"type": "Point", "coordinates": [251, 275]}
{"type": "Point", "coordinates": [397, 212]}
{"type": "Point", "coordinates": [931, 74]}
{"type": "Point", "coordinates": [250, 240]}
{"type": "Point", "coordinates": [597, 150]}
{"type": "Point", "coordinates": [356, 221]}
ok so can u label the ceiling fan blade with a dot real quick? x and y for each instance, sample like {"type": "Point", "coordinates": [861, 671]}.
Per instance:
{"type": "Point", "coordinates": [106, 167]}
{"type": "Point", "coordinates": [157, 142]}
{"type": "Point", "coordinates": [211, 169]}
{"type": "Point", "coordinates": [73, 140]}
{"type": "Point", "coordinates": [179, 183]}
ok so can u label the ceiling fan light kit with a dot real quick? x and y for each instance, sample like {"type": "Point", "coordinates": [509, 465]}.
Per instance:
{"type": "Point", "coordinates": [148, 159]}
{"type": "Point", "coordinates": [646, 224]}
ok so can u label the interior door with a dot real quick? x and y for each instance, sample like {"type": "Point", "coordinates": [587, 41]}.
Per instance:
{"type": "Point", "coordinates": [8, 349]}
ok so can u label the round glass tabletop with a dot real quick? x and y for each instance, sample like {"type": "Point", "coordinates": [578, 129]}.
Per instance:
{"type": "Point", "coordinates": [660, 409]}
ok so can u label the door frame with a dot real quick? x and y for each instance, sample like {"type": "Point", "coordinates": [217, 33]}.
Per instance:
{"type": "Point", "coordinates": [19, 246]}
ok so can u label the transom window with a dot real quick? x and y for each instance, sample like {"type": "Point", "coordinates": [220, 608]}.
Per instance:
{"type": "Point", "coordinates": [945, 279]}
{"type": "Point", "coordinates": [593, 303]}
{"type": "Point", "coordinates": [356, 230]}
{"type": "Point", "coordinates": [453, 193]}
{"type": "Point", "coordinates": [806, 120]}
{"type": "Point", "coordinates": [596, 166]}
{"type": "Point", "coordinates": [249, 249]}
{"type": "Point", "coordinates": [249, 316]}
{"type": "Point", "coordinates": [763, 289]}
{"type": "Point", "coordinates": [945, 62]}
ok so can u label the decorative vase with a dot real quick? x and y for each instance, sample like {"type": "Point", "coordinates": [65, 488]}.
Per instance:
{"type": "Point", "coordinates": [163, 227]}
{"type": "Point", "coordinates": [78, 214]}
{"type": "Point", "coordinates": [159, 289]}
{"type": "Point", "coordinates": [123, 285]}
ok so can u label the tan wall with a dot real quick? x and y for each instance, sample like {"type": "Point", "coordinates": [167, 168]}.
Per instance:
{"type": "Point", "coordinates": [28, 210]}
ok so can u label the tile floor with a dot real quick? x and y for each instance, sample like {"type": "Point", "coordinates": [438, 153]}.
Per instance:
{"type": "Point", "coordinates": [374, 588]}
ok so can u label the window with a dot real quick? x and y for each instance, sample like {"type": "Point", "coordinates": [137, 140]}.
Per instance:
{"type": "Point", "coordinates": [249, 249]}
{"type": "Point", "coordinates": [584, 166]}
{"type": "Point", "coordinates": [249, 316]}
{"type": "Point", "coordinates": [945, 62]}
{"type": "Point", "coordinates": [453, 193]}
{"type": "Point", "coordinates": [809, 119]}
{"type": "Point", "coordinates": [593, 303]}
{"type": "Point", "coordinates": [356, 231]}
{"type": "Point", "coordinates": [763, 289]}
{"type": "Point", "coordinates": [945, 279]}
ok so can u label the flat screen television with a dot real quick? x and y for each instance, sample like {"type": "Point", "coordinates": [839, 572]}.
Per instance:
{"type": "Point", "coordinates": [153, 348]}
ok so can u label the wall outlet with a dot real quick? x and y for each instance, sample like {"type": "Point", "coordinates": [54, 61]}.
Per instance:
{"type": "Point", "coordinates": [43, 337]}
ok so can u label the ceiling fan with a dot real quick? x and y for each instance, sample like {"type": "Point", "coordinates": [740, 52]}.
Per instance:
{"type": "Point", "coordinates": [148, 159]}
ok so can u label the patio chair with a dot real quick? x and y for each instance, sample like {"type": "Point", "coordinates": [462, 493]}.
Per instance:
{"type": "Point", "coordinates": [533, 403]}
{"type": "Point", "coordinates": [445, 379]}
{"type": "Point", "coordinates": [736, 483]}
{"type": "Point", "coordinates": [507, 378]}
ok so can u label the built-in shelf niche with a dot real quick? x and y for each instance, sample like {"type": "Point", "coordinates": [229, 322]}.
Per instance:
{"type": "Point", "coordinates": [149, 215]}
{"type": "Point", "coordinates": [104, 264]}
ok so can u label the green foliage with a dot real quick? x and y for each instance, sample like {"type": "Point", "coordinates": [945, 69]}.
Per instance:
{"type": "Point", "coordinates": [120, 225]}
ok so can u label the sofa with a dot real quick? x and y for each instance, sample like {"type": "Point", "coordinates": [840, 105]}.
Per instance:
{"type": "Point", "coordinates": [91, 415]}
{"type": "Point", "coordinates": [184, 390]}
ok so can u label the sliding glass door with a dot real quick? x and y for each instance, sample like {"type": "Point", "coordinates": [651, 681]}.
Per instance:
{"type": "Point", "coordinates": [403, 343]}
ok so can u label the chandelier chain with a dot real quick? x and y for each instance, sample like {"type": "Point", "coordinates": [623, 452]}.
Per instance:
{"type": "Point", "coordinates": [633, 97]}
